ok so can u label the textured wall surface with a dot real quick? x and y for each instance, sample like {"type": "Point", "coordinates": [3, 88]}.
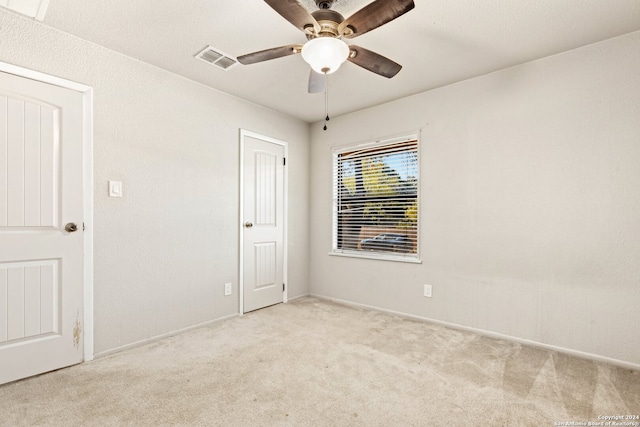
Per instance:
{"type": "Point", "coordinates": [529, 203]}
{"type": "Point", "coordinates": [529, 199]}
{"type": "Point", "coordinates": [164, 251]}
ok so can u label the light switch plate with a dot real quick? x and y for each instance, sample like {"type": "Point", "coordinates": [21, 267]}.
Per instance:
{"type": "Point", "coordinates": [427, 291]}
{"type": "Point", "coordinates": [115, 189]}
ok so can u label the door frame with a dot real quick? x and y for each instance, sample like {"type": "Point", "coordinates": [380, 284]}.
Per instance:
{"type": "Point", "coordinates": [285, 183]}
{"type": "Point", "coordinates": [87, 185]}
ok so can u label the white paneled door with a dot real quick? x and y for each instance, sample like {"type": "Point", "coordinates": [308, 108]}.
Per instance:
{"type": "Point", "coordinates": [263, 222]}
{"type": "Point", "coordinates": [41, 223]}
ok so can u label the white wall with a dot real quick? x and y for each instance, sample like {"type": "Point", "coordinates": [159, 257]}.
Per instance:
{"type": "Point", "coordinates": [164, 251]}
{"type": "Point", "coordinates": [530, 203]}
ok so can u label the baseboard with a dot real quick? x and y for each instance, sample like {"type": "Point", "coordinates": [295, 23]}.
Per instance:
{"type": "Point", "coordinates": [298, 297]}
{"type": "Point", "coordinates": [159, 337]}
{"type": "Point", "coordinates": [571, 352]}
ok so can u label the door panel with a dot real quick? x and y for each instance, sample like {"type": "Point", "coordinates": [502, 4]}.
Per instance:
{"type": "Point", "coordinates": [265, 264]}
{"type": "Point", "coordinates": [41, 264]}
{"type": "Point", "coordinates": [29, 152]}
{"type": "Point", "coordinates": [263, 240]}
{"type": "Point", "coordinates": [31, 301]}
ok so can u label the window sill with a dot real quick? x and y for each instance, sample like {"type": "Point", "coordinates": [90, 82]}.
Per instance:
{"type": "Point", "coordinates": [377, 257]}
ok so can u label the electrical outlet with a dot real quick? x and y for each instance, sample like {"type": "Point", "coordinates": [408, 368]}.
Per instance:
{"type": "Point", "coordinates": [427, 291]}
{"type": "Point", "coordinates": [227, 289]}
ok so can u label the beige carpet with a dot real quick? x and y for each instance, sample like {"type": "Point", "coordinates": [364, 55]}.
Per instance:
{"type": "Point", "coordinates": [315, 363]}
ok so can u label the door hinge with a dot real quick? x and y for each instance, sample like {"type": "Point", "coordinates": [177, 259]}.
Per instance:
{"type": "Point", "coordinates": [83, 226]}
{"type": "Point", "coordinates": [283, 287]}
{"type": "Point", "coordinates": [284, 161]}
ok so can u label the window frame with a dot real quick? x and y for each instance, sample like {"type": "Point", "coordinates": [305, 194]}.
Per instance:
{"type": "Point", "coordinates": [374, 255]}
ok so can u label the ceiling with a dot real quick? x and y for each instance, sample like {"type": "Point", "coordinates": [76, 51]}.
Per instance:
{"type": "Point", "coordinates": [438, 43]}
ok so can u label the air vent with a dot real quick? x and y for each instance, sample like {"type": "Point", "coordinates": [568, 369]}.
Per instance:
{"type": "Point", "coordinates": [216, 58]}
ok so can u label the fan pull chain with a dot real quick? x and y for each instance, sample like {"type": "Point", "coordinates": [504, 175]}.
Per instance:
{"type": "Point", "coordinates": [326, 100]}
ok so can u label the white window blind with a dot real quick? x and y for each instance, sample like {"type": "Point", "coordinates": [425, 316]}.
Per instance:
{"type": "Point", "coordinates": [375, 190]}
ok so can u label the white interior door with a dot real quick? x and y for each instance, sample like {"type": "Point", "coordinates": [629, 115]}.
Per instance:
{"type": "Point", "coordinates": [41, 263]}
{"type": "Point", "coordinates": [263, 222]}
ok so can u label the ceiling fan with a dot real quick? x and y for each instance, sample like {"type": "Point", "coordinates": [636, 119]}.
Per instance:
{"type": "Point", "coordinates": [325, 30]}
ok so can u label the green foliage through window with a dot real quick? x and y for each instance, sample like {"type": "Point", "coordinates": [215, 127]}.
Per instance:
{"type": "Point", "coordinates": [376, 198]}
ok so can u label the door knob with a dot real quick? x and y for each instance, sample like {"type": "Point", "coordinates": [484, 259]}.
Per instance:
{"type": "Point", "coordinates": [71, 227]}
{"type": "Point", "coordinates": [248, 224]}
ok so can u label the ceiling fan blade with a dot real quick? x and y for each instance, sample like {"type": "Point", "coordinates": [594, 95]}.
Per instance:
{"type": "Point", "coordinates": [317, 82]}
{"type": "Point", "coordinates": [267, 54]}
{"type": "Point", "coordinates": [294, 12]}
{"type": "Point", "coordinates": [374, 15]}
{"type": "Point", "coordinates": [373, 62]}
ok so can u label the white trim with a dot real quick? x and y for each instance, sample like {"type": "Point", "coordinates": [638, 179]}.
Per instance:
{"type": "Point", "coordinates": [285, 218]}
{"type": "Point", "coordinates": [42, 10]}
{"type": "Point", "coordinates": [483, 332]}
{"type": "Point", "coordinates": [88, 223]}
{"type": "Point", "coordinates": [32, 9]}
{"type": "Point", "coordinates": [87, 147]}
{"type": "Point", "coordinates": [401, 137]}
{"type": "Point", "coordinates": [292, 299]}
{"type": "Point", "coordinates": [241, 228]}
{"type": "Point", "coordinates": [41, 77]}
{"type": "Point", "coordinates": [167, 335]}
{"type": "Point", "coordinates": [420, 198]}
{"type": "Point", "coordinates": [381, 257]}
{"type": "Point", "coordinates": [285, 295]}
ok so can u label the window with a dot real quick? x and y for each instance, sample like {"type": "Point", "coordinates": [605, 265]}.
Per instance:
{"type": "Point", "coordinates": [375, 196]}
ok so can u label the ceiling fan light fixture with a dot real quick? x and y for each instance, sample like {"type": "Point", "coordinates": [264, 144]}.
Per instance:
{"type": "Point", "coordinates": [325, 54]}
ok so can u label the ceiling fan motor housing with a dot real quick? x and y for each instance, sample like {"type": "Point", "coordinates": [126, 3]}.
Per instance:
{"type": "Point", "coordinates": [328, 21]}
{"type": "Point", "coordinates": [324, 4]}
